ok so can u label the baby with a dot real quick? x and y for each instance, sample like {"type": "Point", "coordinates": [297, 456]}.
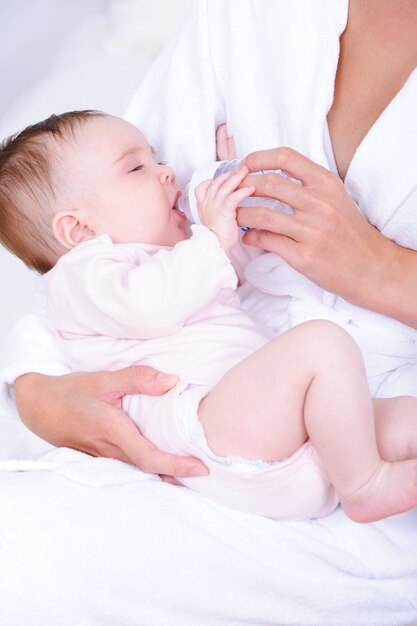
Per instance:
{"type": "Point", "coordinates": [285, 425]}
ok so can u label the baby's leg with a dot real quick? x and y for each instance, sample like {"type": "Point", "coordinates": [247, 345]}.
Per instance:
{"type": "Point", "coordinates": [352, 444]}
{"type": "Point", "coordinates": [256, 409]}
{"type": "Point", "coordinates": [310, 382]}
{"type": "Point", "coordinates": [396, 427]}
{"type": "Point", "coordinates": [262, 407]}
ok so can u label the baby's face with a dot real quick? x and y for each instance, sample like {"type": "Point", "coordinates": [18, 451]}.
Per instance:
{"type": "Point", "coordinates": [125, 193]}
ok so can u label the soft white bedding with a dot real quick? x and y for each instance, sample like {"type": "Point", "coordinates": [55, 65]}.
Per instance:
{"type": "Point", "coordinates": [92, 541]}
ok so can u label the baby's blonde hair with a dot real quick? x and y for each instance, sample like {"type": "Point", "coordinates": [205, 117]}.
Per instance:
{"type": "Point", "coordinates": [27, 189]}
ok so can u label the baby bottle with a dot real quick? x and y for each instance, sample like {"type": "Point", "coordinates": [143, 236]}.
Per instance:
{"type": "Point", "coordinates": [188, 202]}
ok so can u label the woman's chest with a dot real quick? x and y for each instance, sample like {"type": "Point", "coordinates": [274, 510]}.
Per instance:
{"type": "Point", "coordinates": [376, 58]}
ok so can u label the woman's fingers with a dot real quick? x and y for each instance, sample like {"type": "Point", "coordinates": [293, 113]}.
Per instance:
{"type": "Point", "coordinates": [281, 188]}
{"type": "Point", "coordinates": [121, 437]}
{"type": "Point", "coordinates": [170, 479]}
{"type": "Point", "coordinates": [136, 379]}
{"type": "Point", "coordinates": [327, 239]}
{"type": "Point", "coordinates": [117, 437]}
{"type": "Point", "coordinates": [84, 412]}
{"type": "Point", "coordinates": [267, 220]}
{"type": "Point", "coordinates": [142, 453]}
{"type": "Point", "coordinates": [289, 161]}
{"type": "Point", "coordinates": [282, 245]}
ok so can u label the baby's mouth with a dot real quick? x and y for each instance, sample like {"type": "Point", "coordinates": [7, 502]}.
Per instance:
{"type": "Point", "coordinates": [178, 209]}
{"type": "Point", "coordinates": [177, 203]}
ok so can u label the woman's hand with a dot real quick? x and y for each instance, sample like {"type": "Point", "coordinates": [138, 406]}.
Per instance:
{"type": "Point", "coordinates": [327, 239]}
{"type": "Point", "coordinates": [84, 411]}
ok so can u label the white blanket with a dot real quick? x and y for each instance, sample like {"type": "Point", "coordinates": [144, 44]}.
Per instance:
{"type": "Point", "coordinates": [92, 541]}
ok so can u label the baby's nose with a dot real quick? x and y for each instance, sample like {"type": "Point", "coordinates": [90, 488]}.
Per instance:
{"type": "Point", "coordinates": [167, 174]}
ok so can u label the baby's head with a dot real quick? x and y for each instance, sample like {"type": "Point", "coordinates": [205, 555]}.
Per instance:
{"type": "Point", "coordinates": [77, 175]}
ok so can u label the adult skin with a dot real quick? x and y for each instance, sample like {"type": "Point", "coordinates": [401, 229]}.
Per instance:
{"type": "Point", "coordinates": [85, 413]}
{"type": "Point", "coordinates": [327, 240]}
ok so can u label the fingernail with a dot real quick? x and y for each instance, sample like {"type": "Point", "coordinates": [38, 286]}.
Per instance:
{"type": "Point", "coordinates": [165, 378]}
{"type": "Point", "coordinates": [199, 471]}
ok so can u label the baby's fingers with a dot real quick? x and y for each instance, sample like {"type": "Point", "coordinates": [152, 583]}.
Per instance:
{"type": "Point", "coordinates": [201, 190]}
{"type": "Point", "coordinates": [239, 195]}
{"type": "Point", "coordinates": [225, 184]}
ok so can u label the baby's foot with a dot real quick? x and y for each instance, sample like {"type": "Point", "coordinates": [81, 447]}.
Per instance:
{"type": "Point", "coordinates": [391, 490]}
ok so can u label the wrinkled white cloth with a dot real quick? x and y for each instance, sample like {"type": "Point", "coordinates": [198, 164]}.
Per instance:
{"type": "Point", "coordinates": [146, 553]}
{"type": "Point", "coordinates": [96, 542]}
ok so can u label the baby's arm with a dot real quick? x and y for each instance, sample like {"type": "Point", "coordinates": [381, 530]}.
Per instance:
{"type": "Point", "coordinates": [125, 291]}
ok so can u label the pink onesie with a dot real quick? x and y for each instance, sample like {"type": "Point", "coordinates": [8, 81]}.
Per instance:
{"type": "Point", "coordinates": [114, 305]}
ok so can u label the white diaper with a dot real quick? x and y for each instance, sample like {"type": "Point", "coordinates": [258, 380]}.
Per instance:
{"type": "Point", "coordinates": [294, 488]}
{"type": "Point", "coordinates": [192, 428]}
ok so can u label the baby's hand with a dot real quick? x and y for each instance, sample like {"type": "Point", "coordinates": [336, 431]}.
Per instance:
{"type": "Point", "coordinates": [217, 201]}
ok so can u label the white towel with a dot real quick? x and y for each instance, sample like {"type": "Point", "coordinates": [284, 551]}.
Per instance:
{"type": "Point", "coordinates": [78, 546]}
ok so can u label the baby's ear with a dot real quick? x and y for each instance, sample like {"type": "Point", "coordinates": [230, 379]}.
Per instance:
{"type": "Point", "coordinates": [69, 229]}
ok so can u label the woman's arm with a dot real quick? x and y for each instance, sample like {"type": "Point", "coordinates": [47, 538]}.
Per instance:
{"type": "Point", "coordinates": [83, 411]}
{"type": "Point", "coordinates": [327, 238]}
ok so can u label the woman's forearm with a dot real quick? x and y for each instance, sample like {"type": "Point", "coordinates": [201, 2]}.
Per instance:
{"type": "Point", "coordinates": [389, 285]}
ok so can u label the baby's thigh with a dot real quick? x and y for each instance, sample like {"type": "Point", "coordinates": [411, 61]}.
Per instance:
{"type": "Point", "coordinates": [256, 409]}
